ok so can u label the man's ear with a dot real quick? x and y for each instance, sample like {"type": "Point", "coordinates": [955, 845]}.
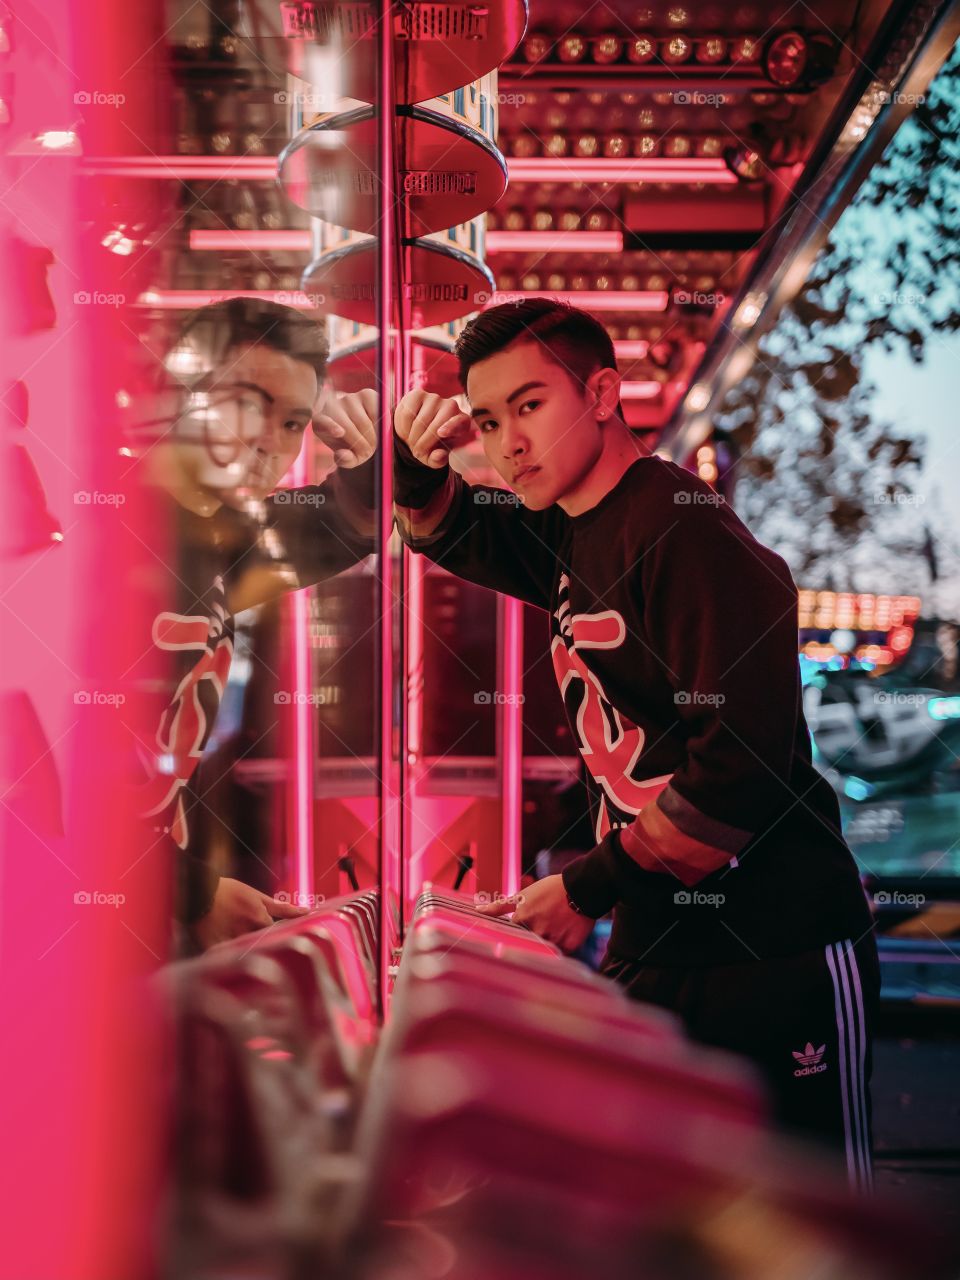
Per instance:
{"type": "Point", "coordinates": [604, 386]}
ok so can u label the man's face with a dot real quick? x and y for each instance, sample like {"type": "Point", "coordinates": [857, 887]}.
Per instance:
{"type": "Point", "coordinates": [260, 405]}
{"type": "Point", "coordinates": [537, 423]}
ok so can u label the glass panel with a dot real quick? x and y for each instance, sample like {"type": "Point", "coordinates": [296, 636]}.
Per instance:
{"type": "Point", "coordinates": [271, 518]}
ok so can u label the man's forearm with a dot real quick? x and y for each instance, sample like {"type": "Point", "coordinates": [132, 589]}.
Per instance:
{"type": "Point", "coordinates": [422, 495]}
{"type": "Point", "coordinates": [356, 499]}
{"type": "Point", "coordinates": [651, 844]}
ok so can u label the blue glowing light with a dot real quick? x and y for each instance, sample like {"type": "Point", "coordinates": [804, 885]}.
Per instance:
{"type": "Point", "coordinates": [857, 789]}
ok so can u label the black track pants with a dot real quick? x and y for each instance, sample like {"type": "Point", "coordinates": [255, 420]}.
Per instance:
{"type": "Point", "coordinates": [804, 1021]}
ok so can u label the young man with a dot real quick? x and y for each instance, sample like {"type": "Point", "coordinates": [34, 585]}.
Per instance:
{"type": "Point", "coordinates": [735, 900]}
{"type": "Point", "coordinates": [244, 381]}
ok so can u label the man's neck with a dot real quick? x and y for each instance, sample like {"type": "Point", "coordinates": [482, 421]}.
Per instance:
{"type": "Point", "coordinates": [196, 500]}
{"type": "Point", "coordinates": [620, 451]}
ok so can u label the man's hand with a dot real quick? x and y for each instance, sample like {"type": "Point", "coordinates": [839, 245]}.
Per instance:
{"type": "Point", "coordinates": [544, 909]}
{"type": "Point", "coordinates": [347, 425]}
{"type": "Point", "coordinates": [431, 426]}
{"type": "Point", "coordinates": [236, 909]}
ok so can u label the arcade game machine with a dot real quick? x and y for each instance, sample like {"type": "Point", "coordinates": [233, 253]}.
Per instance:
{"type": "Point", "coordinates": [389, 1084]}
{"type": "Point", "coordinates": [885, 723]}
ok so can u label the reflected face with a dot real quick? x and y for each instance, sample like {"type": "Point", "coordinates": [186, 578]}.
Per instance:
{"type": "Point", "coordinates": [537, 423]}
{"type": "Point", "coordinates": [253, 412]}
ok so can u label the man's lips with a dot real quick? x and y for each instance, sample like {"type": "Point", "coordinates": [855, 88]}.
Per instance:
{"type": "Point", "coordinates": [524, 474]}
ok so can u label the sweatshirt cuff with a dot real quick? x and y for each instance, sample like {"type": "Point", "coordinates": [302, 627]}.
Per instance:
{"type": "Point", "coordinates": [591, 880]}
{"type": "Point", "coordinates": [699, 826]}
{"type": "Point", "coordinates": [414, 484]}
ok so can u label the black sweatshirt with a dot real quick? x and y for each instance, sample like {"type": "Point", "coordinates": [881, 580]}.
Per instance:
{"type": "Point", "coordinates": [674, 642]}
{"type": "Point", "coordinates": [309, 531]}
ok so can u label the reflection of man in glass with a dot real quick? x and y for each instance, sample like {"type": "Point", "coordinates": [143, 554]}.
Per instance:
{"type": "Point", "coordinates": [244, 383]}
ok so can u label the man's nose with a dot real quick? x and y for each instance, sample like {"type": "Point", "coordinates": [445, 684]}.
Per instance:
{"type": "Point", "coordinates": [513, 441]}
{"type": "Point", "coordinates": [268, 440]}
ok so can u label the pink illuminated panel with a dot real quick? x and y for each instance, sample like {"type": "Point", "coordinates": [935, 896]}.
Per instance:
{"type": "Point", "coordinates": [85, 904]}
{"type": "Point", "coordinates": [576, 170]}
{"type": "Point", "coordinates": [593, 300]}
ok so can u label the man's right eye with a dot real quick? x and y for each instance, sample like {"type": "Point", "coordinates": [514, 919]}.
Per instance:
{"type": "Point", "coordinates": [487, 426]}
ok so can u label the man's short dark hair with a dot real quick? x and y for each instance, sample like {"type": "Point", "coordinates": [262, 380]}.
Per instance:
{"type": "Point", "coordinates": [571, 338]}
{"type": "Point", "coordinates": [210, 332]}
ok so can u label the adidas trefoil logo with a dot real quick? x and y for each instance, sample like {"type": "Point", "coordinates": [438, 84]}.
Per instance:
{"type": "Point", "coordinates": [809, 1060]}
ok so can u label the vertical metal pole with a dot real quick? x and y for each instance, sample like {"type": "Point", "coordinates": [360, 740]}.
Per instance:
{"type": "Point", "coordinates": [411, 648]}
{"type": "Point", "coordinates": [388, 703]}
{"type": "Point", "coordinates": [510, 717]}
{"type": "Point", "coordinates": [305, 738]}
{"type": "Point", "coordinates": [412, 750]}
{"type": "Point", "coordinates": [304, 712]}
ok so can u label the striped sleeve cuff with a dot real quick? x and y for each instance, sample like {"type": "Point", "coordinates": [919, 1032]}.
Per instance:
{"type": "Point", "coordinates": [688, 819]}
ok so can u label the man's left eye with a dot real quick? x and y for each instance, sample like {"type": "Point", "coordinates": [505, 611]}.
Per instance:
{"type": "Point", "coordinates": [530, 404]}
{"type": "Point", "coordinates": [297, 428]}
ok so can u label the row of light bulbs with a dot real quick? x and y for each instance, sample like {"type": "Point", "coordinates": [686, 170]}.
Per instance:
{"type": "Point", "coordinates": [229, 204]}
{"type": "Point", "coordinates": [609, 48]}
{"type": "Point", "coordinates": [613, 281]}
{"type": "Point", "coordinates": [787, 59]}
{"type": "Point", "coordinates": [646, 117]}
{"type": "Point", "coordinates": [615, 146]}
{"type": "Point", "coordinates": [222, 122]}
